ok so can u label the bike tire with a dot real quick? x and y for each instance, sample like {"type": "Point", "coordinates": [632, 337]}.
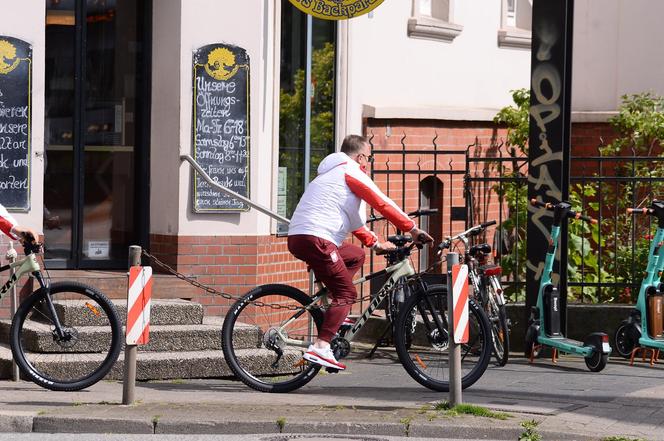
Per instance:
{"type": "Point", "coordinates": [78, 360]}
{"type": "Point", "coordinates": [235, 350]}
{"type": "Point", "coordinates": [624, 339]}
{"type": "Point", "coordinates": [475, 355]}
{"type": "Point", "coordinates": [501, 337]}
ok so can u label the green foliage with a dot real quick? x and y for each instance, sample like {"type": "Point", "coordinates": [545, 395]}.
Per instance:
{"type": "Point", "coordinates": [583, 239]}
{"type": "Point", "coordinates": [640, 125]}
{"type": "Point", "coordinates": [530, 433]}
{"type": "Point", "coordinates": [516, 119]}
{"type": "Point", "coordinates": [469, 409]}
{"type": "Point", "coordinates": [292, 121]}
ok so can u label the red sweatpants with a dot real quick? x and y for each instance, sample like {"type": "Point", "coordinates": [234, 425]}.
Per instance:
{"type": "Point", "coordinates": [335, 267]}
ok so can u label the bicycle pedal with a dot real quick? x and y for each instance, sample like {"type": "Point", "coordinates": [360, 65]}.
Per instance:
{"type": "Point", "coordinates": [332, 370]}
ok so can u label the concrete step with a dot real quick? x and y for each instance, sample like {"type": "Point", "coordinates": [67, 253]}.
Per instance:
{"type": "Point", "coordinates": [206, 336]}
{"type": "Point", "coordinates": [160, 365]}
{"type": "Point", "coordinates": [162, 312]}
{"type": "Point", "coordinates": [114, 283]}
{"type": "Point", "coordinates": [166, 311]}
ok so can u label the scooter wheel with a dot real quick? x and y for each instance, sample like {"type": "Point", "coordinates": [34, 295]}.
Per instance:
{"type": "Point", "coordinates": [531, 342]}
{"type": "Point", "coordinates": [625, 339]}
{"type": "Point", "coordinates": [597, 361]}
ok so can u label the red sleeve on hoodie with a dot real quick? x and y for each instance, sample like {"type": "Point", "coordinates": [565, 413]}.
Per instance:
{"type": "Point", "coordinates": [6, 223]}
{"type": "Point", "coordinates": [366, 236]}
{"type": "Point", "coordinates": [380, 203]}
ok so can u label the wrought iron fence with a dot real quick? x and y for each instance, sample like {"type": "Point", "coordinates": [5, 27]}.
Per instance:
{"type": "Point", "coordinates": [605, 262]}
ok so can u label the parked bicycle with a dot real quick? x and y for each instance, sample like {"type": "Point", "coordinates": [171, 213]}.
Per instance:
{"type": "Point", "coordinates": [50, 337]}
{"type": "Point", "coordinates": [280, 321]}
{"type": "Point", "coordinates": [487, 290]}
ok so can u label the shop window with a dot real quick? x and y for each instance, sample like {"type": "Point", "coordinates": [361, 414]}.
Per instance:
{"type": "Point", "coordinates": [516, 24]}
{"type": "Point", "coordinates": [433, 20]}
{"type": "Point", "coordinates": [306, 102]}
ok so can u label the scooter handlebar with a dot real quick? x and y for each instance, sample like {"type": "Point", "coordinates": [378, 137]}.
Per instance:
{"type": "Point", "coordinates": [536, 203]}
{"type": "Point", "coordinates": [590, 220]}
{"type": "Point", "coordinates": [640, 211]}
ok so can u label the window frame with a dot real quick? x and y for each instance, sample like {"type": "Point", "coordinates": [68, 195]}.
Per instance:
{"type": "Point", "coordinates": [511, 36]}
{"type": "Point", "coordinates": [432, 28]}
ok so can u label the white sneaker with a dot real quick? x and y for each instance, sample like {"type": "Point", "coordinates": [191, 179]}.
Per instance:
{"type": "Point", "coordinates": [324, 357]}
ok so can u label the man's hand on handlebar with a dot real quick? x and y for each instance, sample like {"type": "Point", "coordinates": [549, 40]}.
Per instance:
{"type": "Point", "coordinates": [26, 235]}
{"type": "Point", "coordinates": [420, 236]}
{"type": "Point", "coordinates": [384, 247]}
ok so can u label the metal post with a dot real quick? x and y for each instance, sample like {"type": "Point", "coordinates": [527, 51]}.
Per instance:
{"type": "Point", "coordinates": [11, 257]}
{"type": "Point", "coordinates": [129, 382]}
{"type": "Point", "coordinates": [454, 349]}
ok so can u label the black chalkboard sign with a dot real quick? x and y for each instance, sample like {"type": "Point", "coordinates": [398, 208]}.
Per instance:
{"type": "Point", "coordinates": [221, 126]}
{"type": "Point", "coordinates": [15, 126]}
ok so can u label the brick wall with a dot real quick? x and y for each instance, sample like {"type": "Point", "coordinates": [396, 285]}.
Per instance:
{"type": "Point", "coordinates": [236, 264]}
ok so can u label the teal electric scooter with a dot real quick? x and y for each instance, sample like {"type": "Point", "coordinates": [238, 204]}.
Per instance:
{"type": "Point", "coordinates": [544, 324]}
{"type": "Point", "coordinates": [633, 333]}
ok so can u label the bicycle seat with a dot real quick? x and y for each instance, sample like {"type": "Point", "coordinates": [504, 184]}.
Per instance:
{"type": "Point", "coordinates": [399, 239]}
{"type": "Point", "coordinates": [491, 270]}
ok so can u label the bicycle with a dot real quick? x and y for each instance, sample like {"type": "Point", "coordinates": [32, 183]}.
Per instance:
{"type": "Point", "coordinates": [281, 321]}
{"type": "Point", "coordinates": [72, 356]}
{"type": "Point", "coordinates": [485, 280]}
{"type": "Point", "coordinates": [393, 302]}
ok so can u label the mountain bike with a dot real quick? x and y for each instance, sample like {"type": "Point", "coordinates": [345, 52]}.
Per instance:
{"type": "Point", "coordinates": [65, 336]}
{"type": "Point", "coordinates": [487, 290]}
{"type": "Point", "coordinates": [393, 302]}
{"type": "Point", "coordinates": [280, 321]}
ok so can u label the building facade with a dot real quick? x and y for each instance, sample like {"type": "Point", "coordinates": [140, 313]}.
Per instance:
{"type": "Point", "coordinates": [114, 96]}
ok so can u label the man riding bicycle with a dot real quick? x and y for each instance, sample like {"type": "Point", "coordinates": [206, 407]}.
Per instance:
{"type": "Point", "coordinates": [333, 205]}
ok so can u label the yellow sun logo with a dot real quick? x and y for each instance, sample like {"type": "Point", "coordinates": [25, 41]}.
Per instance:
{"type": "Point", "coordinates": [8, 59]}
{"type": "Point", "coordinates": [221, 64]}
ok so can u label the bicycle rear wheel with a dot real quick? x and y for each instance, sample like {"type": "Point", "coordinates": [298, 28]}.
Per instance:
{"type": "Point", "coordinates": [426, 357]}
{"type": "Point", "coordinates": [86, 351]}
{"type": "Point", "coordinates": [253, 336]}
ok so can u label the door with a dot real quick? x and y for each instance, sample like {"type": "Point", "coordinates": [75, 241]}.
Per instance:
{"type": "Point", "coordinates": [96, 131]}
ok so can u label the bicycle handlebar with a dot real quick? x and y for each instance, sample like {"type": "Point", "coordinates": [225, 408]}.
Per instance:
{"type": "Point", "coordinates": [416, 213]}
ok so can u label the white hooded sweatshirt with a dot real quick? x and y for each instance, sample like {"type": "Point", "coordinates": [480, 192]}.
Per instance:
{"type": "Point", "coordinates": [7, 222]}
{"type": "Point", "coordinates": [333, 204]}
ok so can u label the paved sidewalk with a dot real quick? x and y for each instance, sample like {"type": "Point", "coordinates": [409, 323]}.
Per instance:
{"type": "Point", "coordinates": [374, 397]}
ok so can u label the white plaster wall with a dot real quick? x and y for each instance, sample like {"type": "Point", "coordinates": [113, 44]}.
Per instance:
{"type": "Point", "coordinates": [388, 69]}
{"type": "Point", "coordinates": [165, 118]}
{"type": "Point", "coordinates": [251, 27]}
{"type": "Point", "coordinates": [617, 51]}
{"type": "Point", "coordinates": [26, 20]}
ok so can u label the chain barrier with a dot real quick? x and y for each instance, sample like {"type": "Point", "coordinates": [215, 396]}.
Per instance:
{"type": "Point", "coordinates": [228, 296]}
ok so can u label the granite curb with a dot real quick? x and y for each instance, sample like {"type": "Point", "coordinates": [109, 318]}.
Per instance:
{"type": "Point", "coordinates": [146, 425]}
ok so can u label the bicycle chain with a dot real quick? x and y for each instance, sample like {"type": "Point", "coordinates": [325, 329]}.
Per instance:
{"type": "Point", "coordinates": [228, 296]}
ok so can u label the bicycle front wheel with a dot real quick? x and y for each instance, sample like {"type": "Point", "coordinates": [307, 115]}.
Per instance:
{"type": "Point", "coordinates": [266, 333]}
{"type": "Point", "coordinates": [79, 351]}
{"type": "Point", "coordinates": [422, 340]}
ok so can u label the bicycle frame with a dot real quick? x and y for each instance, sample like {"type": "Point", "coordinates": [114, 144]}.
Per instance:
{"type": "Point", "coordinates": [23, 267]}
{"type": "Point", "coordinates": [396, 271]}
{"type": "Point", "coordinates": [29, 265]}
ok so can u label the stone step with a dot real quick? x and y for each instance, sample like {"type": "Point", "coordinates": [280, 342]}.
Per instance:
{"type": "Point", "coordinates": [114, 283]}
{"type": "Point", "coordinates": [162, 312]}
{"type": "Point", "coordinates": [206, 336]}
{"type": "Point", "coordinates": [161, 365]}
{"type": "Point", "coordinates": [166, 311]}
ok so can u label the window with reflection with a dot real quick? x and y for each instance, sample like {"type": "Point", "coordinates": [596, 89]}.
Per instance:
{"type": "Point", "coordinates": [293, 96]}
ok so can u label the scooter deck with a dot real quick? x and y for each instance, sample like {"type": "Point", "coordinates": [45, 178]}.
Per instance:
{"type": "Point", "coordinates": [657, 343]}
{"type": "Point", "coordinates": [564, 344]}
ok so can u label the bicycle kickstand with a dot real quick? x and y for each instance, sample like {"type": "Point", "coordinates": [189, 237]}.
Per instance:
{"type": "Point", "coordinates": [388, 328]}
